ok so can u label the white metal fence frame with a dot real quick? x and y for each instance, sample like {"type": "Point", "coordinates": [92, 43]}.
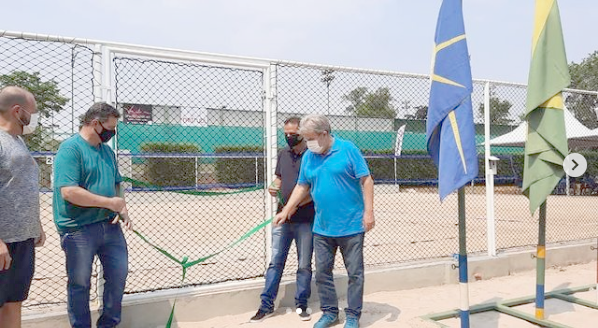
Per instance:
{"type": "Point", "coordinates": [104, 90]}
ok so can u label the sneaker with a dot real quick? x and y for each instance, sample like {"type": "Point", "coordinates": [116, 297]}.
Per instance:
{"type": "Point", "coordinates": [327, 320]}
{"type": "Point", "coordinates": [261, 315]}
{"type": "Point", "coordinates": [304, 313]}
{"type": "Point", "coordinates": [352, 322]}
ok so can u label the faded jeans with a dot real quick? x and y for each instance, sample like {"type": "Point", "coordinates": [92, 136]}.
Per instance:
{"type": "Point", "coordinates": [80, 247]}
{"type": "Point", "coordinates": [282, 237]}
{"type": "Point", "coordinates": [351, 248]}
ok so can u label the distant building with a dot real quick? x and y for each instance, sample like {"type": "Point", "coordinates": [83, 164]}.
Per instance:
{"type": "Point", "coordinates": [246, 118]}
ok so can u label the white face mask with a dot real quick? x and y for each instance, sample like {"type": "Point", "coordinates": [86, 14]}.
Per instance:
{"type": "Point", "coordinates": [33, 121]}
{"type": "Point", "coordinates": [315, 146]}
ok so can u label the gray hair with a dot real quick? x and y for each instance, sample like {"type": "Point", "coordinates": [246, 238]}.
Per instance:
{"type": "Point", "coordinates": [12, 95]}
{"type": "Point", "coordinates": [314, 123]}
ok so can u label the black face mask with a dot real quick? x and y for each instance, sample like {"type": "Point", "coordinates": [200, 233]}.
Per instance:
{"type": "Point", "coordinates": [106, 134]}
{"type": "Point", "coordinates": [293, 139]}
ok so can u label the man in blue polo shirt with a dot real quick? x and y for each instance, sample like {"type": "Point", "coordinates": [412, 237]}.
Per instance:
{"type": "Point", "coordinates": [336, 175]}
{"type": "Point", "coordinates": [88, 202]}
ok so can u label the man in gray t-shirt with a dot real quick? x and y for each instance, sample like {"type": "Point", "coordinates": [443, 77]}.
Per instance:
{"type": "Point", "coordinates": [20, 227]}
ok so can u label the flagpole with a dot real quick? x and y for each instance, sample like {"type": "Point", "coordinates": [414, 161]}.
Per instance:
{"type": "Point", "coordinates": [395, 160]}
{"type": "Point", "coordinates": [541, 263]}
{"type": "Point", "coordinates": [450, 109]}
{"type": "Point", "coordinates": [463, 285]}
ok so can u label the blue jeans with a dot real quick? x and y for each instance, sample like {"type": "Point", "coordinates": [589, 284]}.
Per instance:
{"type": "Point", "coordinates": [352, 251]}
{"type": "Point", "coordinates": [282, 237]}
{"type": "Point", "coordinates": [80, 247]}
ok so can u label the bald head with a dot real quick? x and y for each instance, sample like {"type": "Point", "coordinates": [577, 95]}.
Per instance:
{"type": "Point", "coordinates": [11, 96]}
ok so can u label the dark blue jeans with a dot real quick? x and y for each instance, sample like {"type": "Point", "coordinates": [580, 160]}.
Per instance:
{"type": "Point", "coordinates": [352, 251]}
{"type": "Point", "coordinates": [107, 242]}
{"type": "Point", "coordinates": [282, 237]}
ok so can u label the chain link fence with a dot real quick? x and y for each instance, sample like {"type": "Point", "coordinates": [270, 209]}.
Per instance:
{"type": "Point", "coordinates": [571, 209]}
{"type": "Point", "coordinates": [194, 143]}
{"type": "Point", "coordinates": [177, 135]}
{"type": "Point", "coordinates": [60, 76]}
{"type": "Point", "coordinates": [362, 108]}
{"type": "Point", "coordinates": [384, 115]}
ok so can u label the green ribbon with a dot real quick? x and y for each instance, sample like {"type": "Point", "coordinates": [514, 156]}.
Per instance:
{"type": "Point", "coordinates": [279, 198]}
{"type": "Point", "coordinates": [184, 262]}
{"type": "Point", "coordinates": [193, 192]}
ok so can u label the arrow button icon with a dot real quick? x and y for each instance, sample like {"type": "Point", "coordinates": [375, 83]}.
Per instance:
{"type": "Point", "coordinates": [575, 165]}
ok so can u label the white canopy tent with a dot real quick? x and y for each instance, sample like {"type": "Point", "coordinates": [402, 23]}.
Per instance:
{"type": "Point", "coordinates": [578, 135]}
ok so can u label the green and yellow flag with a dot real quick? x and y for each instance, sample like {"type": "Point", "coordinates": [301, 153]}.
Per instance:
{"type": "Point", "coordinates": [546, 144]}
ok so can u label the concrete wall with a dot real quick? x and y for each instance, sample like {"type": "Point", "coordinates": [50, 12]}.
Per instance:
{"type": "Point", "coordinates": [202, 303]}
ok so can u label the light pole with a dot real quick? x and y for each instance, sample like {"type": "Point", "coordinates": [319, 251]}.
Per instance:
{"type": "Point", "coordinates": [327, 78]}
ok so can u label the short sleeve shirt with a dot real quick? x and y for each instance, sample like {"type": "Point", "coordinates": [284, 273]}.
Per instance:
{"type": "Point", "coordinates": [93, 168]}
{"type": "Point", "coordinates": [287, 168]}
{"type": "Point", "coordinates": [334, 180]}
{"type": "Point", "coordinates": [19, 191]}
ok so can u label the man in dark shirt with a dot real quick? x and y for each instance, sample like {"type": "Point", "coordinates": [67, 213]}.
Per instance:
{"type": "Point", "coordinates": [299, 228]}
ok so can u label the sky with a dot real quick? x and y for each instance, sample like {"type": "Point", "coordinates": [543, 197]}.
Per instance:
{"type": "Point", "coordinates": [395, 35]}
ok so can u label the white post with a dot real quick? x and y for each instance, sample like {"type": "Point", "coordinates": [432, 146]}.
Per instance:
{"type": "Point", "coordinates": [257, 179]}
{"type": "Point", "coordinates": [196, 173]}
{"type": "Point", "coordinates": [106, 94]}
{"type": "Point", "coordinates": [125, 167]}
{"type": "Point", "coordinates": [98, 71]}
{"type": "Point", "coordinates": [99, 85]}
{"type": "Point", "coordinates": [395, 160]}
{"type": "Point", "coordinates": [52, 175]}
{"type": "Point", "coordinates": [271, 131]}
{"type": "Point", "coordinates": [490, 219]}
{"type": "Point", "coordinates": [50, 161]}
{"type": "Point", "coordinates": [107, 89]}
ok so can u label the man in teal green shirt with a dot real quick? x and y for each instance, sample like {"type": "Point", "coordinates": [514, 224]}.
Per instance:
{"type": "Point", "coordinates": [88, 203]}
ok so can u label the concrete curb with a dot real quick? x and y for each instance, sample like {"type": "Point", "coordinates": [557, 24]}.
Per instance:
{"type": "Point", "coordinates": [202, 303]}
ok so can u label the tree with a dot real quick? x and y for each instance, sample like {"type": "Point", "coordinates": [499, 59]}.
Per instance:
{"type": "Point", "coordinates": [49, 101]}
{"type": "Point", "coordinates": [499, 110]}
{"type": "Point", "coordinates": [584, 76]}
{"type": "Point", "coordinates": [370, 104]}
{"type": "Point", "coordinates": [355, 98]}
{"type": "Point", "coordinates": [421, 113]}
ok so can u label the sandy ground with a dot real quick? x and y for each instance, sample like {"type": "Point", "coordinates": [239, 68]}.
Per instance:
{"type": "Point", "coordinates": [410, 225]}
{"type": "Point", "coordinates": [404, 308]}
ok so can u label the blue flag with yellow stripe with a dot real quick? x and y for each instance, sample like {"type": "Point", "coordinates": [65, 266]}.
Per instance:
{"type": "Point", "coordinates": [450, 131]}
